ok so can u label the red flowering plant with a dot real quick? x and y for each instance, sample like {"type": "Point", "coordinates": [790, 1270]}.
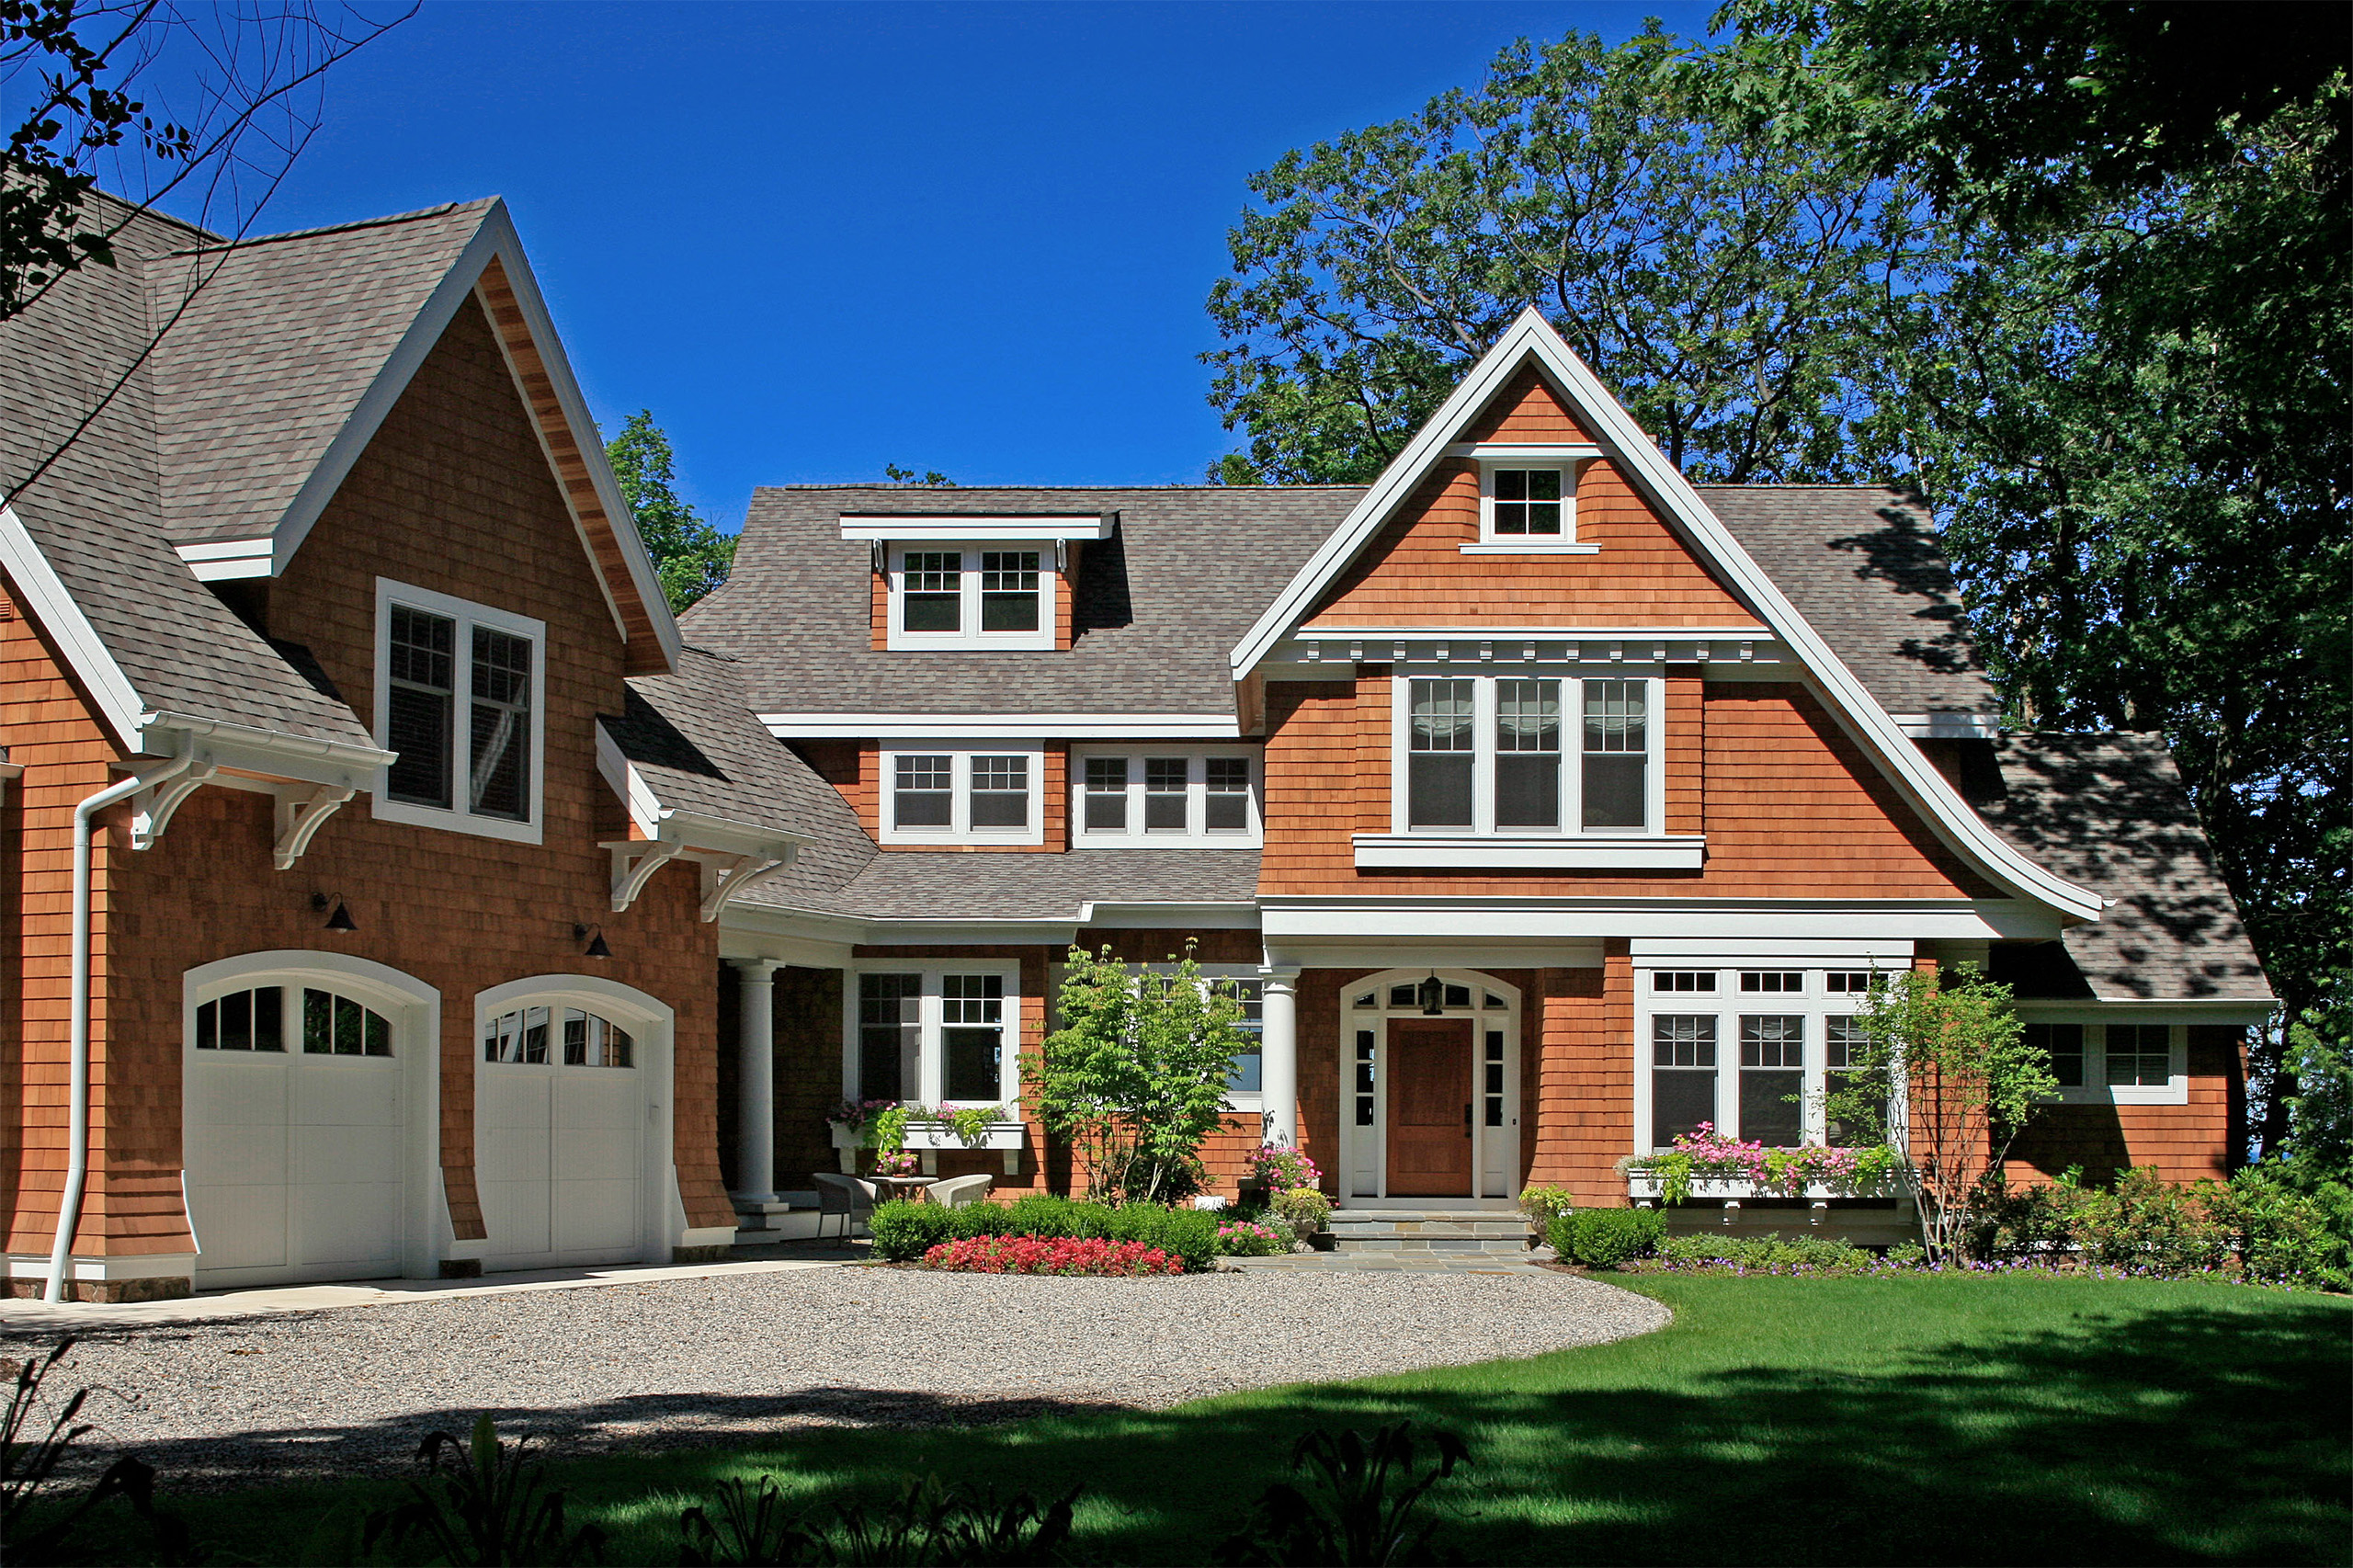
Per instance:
{"type": "Point", "coordinates": [1050, 1254]}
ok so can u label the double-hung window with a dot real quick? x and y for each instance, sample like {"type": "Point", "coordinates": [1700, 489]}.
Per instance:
{"type": "Point", "coordinates": [459, 695]}
{"type": "Point", "coordinates": [1753, 1052]}
{"type": "Point", "coordinates": [1495, 755]}
{"type": "Point", "coordinates": [937, 1036]}
{"type": "Point", "coordinates": [968, 793]}
{"type": "Point", "coordinates": [2101, 1062]}
{"type": "Point", "coordinates": [1138, 796]}
{"type": "Point", "coordinates": [984, 594]}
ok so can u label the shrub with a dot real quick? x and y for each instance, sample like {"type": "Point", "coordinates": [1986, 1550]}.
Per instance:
{"type": "Point", "coordinates": [2143, 1224]}
{"type": "Point", "coordinates": [2288, 1237]}
{"type": "Point", "coordinates": [487, 1502]}
{"type": "Point", "coordinates": [1604, 1238]}
{"type": "Point", "coordinates": [1186, 1234]}
{"type": "Point", "coordinates": [1248, 1238]}
{"type": "Point", "coordinates": [1279, 1167]}
{"type": "Point", "coordinates": [904, 1231]}
{"type": "Point", "coordinates": [1050, 1254]}
{"type": "Point", "coordinates": [2008, 1225]}
{"type": "Point", "coordinates": [1775, 1254]}
{"type": "Point", "coordinates": [1303, 1209]}
{"type": "Point", "coordinates": [926, 1522]}
{"type": "Point", "coordinates": [1037, 1215]}
{"type": "Point", "coordinates": [1543, 1204]}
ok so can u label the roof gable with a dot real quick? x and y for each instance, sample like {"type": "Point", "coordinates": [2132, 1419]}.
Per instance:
{"type": "Point", "coordinates": [1532, 345]}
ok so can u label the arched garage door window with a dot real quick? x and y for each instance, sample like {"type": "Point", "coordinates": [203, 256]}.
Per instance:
{"type": "Point", "coordinates": [297, 1126]}
{"type": "Point", "coordinates": [571, 1073]}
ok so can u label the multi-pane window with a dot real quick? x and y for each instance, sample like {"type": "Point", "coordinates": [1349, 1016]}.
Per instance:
{"type": "Point", "coordinates": [337, 1026]}
{"type": "Point", "coordinates": [1365, 1084]}
{"type": "Point", "coordinates": [1225, 800]}
{"type": "Point", "coordinates": [1848, 982]}
{"type": "Point", "coordinates": [1790, 981]}
{"type": "Point", "coordinates": [962, 793]}
{"type": "Point", "coordinates": [1772, 1077]}
{"type": "Point", "coordinates": [1105, 806]}
{"type": "Point", "coordinates": [1527, 753]}
{"type": "Point", "coordinates": [2139, 1056]}
{"type": "Point", "coordinates": [422, 705]}
{"type": "Point", "coordinates": [1491, 1079]}
{"type": "Point", "coordinates": [1489, 753]}
{"type": "Point", "coordinates": [2064, 1045]}
{"type": "Point", "coordinates": [932, 599]}
{"type": "Point", "coordinates": [499, 775]}
{"type": "Point", "coordinates": [1526, 501]}
{"type": "Point", "coordinates": [1142, 798]}
{"type": "Point", "coordinates": [971, 1035]}
{"type": "Point", "coordinates": [1247, 1075]}
{"type": "Point", "coordinates": [1443, 743]}
{"type": "Point", "coordinates": [458, 693]}
{"type": "Point", "coordinates": [1009, 590]}
{"type": "Point", "coordinates": [555, 1036]}
{"type": "Point", "coordinates": [1000, 791]}
{"type": "Point", "coordinates": [1683, 1074]}
{"type": "Point", "coordinates": [1842, 1044]}
{"type": "Point", "coordinates": [1165, 793]}
{"type": "Point", "coordinates": [243, 1020]}
{"type": "Point", "coordinates": [1617, 753]}
{"type": "Point", "coordinates": [1684, 980]}
{"type": "Point", "coordinates": [923, 792]}
{"type": "Point", "coordinates": [890, 1034]}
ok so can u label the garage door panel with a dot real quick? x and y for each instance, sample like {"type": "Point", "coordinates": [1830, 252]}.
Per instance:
{"type": "Point", "coordinates": [608, 1101]}
{"type": "Point", "coordinates": [516, 1213]}
{"type": "Point", "coordinates": [239, 1226]}
{"type": "Point", "coordinates": [345, 1156]}
{"type": "Point", "coordinates": [593, 1156]}
{"type": "Point", "coordinates": [559, 1146]}
{"type": "Point", "coordinates": [596, 1215]}
{"type": "Point", "coordinates": [355, 1223]}
{"type": "Point", "coordinates": [228, 1094]}
{"type": "Point", "coordinates": [346, 1093]}
{"type": "Point", "coordinates": [235, 1156]}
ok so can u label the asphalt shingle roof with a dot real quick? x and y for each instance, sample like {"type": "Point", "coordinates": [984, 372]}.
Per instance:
{"type": "Point", "coordinates": [1157, 607]}
{"type": "Point", "coordinates": [1862, 565]}
{"type": "Point", "coordinates": [945, 885]}
{"type": "Point", "coordinates": [2110, 812]}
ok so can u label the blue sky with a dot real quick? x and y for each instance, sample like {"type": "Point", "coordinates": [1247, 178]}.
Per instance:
{"type": "Point", "coordinates": [815, 239]}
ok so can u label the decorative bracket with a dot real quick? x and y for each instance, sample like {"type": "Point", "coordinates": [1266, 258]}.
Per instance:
{"type": "Point", "coordinates": [151, 809]}
{"type": "Point", "coordinates": [635, 864]}
{"type": "Point", "coordinates": [721, 883]}
{"type": "Point", "coordinates": [301, 817]}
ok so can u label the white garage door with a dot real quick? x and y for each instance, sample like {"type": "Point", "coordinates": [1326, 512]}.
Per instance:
{"type": "Point", "coordinates": [559, 1122]}
{"type": "Point", "coordinates": [295, 1120]}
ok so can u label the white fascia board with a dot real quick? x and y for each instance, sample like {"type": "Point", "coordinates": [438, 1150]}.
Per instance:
{"type": "Point", "coordinates": [645, 808]}
{"type": "Point", "coordinates": [2195, 1009]}
{"type": "Point", "coordinates": [1949, 726]}
{"type": "Point", "coordinates": [1408, 918]}
{"type": "Point", "coordinates": [1524, 451]}
{"type": "Point", "coordinates": [1500, 852]}
{"type": "Point", "coordinates": [663, 823]}
{"type": "Point", "coordinates": [227, 559]}
{"type": "Point", "coordinates": [47, 600]}
{"type": "Point", "coordinates": [1718, 949]}
{"type": "Point", "coordinates": [982, 527]}
{"type": "Point", "coordinates": [1152, 916]}
{"type": "Point", "coordinates": [1008, 727]}
{"type": "Point", "coordinates": [1445, 952]}
{"type": "Point", "coordinates": [495, 239]}
{"type": "Point", "coordinates": [1597, 634]}
{"type": "Point", "coordinates": [1531, 337]}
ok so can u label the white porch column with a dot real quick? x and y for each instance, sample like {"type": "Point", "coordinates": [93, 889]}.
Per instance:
{"type": "Point", "coordinates": [1278, 1062]}
{"type": "Point", "coordinates": [755, 1082]}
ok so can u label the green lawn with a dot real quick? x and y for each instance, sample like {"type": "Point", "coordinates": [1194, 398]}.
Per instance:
{"type": "Point", "coordinates": [1912, 1420]}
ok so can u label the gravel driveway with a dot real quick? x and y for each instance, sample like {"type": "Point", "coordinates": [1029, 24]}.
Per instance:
{"type": "Point", "coordinates": [699, 1361]}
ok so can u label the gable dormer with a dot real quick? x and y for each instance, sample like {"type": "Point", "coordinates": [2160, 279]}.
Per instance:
{"type": "Point", "coordinates": [966, 583]}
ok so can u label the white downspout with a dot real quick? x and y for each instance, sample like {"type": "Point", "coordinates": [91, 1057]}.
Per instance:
{"type": "Point", "coordinates": [77, 1158]}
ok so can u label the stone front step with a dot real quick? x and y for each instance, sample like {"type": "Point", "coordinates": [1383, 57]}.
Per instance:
{"type": "Point", "coordinates": [1375, 1260]}
{"type": "Point", "coordinates": [1407, 1231]}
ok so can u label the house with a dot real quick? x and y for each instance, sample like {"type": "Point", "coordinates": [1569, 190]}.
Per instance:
{"type": "Point", "coordinates": [397, 890]}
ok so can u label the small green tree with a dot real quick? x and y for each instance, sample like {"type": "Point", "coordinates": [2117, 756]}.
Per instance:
{"type": "Point", "coordinates": [1136, 1077]}
{"type": "Point", "coordinates": [690, 555]}
{"type": "Point", "coordinates": [1944, 1073]}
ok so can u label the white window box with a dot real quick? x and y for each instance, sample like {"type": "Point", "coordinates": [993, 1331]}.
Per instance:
{"type": "Point", "coordinates": [1584, 851]}
{"type": "Point", "coordinates": [1642, 1187]}
{"type": "Point", "coordinates": [928, 1138]}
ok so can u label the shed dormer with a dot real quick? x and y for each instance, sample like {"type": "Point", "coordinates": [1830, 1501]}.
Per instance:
{"type": "Point", "coordinates": [973, 580]}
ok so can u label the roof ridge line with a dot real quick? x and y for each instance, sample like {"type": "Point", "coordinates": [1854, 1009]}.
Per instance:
{"type": "Point", "coordinates": [418, 216]}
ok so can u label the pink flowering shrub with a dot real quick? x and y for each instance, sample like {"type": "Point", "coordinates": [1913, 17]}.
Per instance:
{"type": "Point", "coordinates": [1705, 1154]}
{"type": "Point", "coordinates": [1281, 1167]}
{"type": "Point", "coordinates": [901, 1163]}
{"type": "Point", "coordinates": [1050, 1254]}
{"type": "Point", "coordinates": [1248, 1238]}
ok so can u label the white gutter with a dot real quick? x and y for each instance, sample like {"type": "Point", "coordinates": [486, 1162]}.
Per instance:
{"type": "Point", "coordinates": [77, 1158]}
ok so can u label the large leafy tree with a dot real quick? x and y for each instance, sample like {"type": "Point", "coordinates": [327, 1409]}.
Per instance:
{"type": "Point", "coordinates": [690, 555]}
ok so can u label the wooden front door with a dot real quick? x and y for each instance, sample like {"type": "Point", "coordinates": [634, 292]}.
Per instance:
{"type": "Point", "coordinates": [1429, 1097]}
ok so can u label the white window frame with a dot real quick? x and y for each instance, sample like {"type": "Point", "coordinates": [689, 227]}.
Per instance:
{"type": "Point", "coordinates": [468, 615]}
{"type": "Point", "coordinates": [931, 1060]}
{"type": "Point", "coordinates": [968, 634]}
{"type": "Point", "coordinates": [1195, 834]}
{"type": "Point", "coordinates": [1815, 1003]}
{"type": "Point", "coordinates": [959, 829]}
{"type": "Point", "coordinates": [1482, 767]}
{"type": "Point", "coordinates": [1569, 461]}
{"type": "Point", "coordinates": [2095, 1088]}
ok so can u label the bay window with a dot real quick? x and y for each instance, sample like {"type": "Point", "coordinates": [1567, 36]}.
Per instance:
{"type": "Point", "coordinates": [459, 694]}
{"type": "Point", "coordinates": [939, 1036]}
{"type": "Point", "coordinates": [1713, 1053]}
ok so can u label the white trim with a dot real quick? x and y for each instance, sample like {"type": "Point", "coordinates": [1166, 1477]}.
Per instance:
{"type": "Point", "coordinates": [1006, 727]}
{"type": "Point", "coordinates": [984, 527]}
{"type": "Point", "coordinates": [426, 1231]}
{"type": "Point", "coordinates": [1567, 462]}
{"type": "Point", "coordinates": [2095, 1089]}
{"type": "Point", "coordinates": [1195, 834]}
{"type": "Point", "coordinates": [652, 1024]}
{"type": "Point", "coordinates": [227, 559]}
{"type": "Point", "coordinates": [1720, 950]}
{"type": "Point", "coordinates": [1409, 917]}
{"type": "Point", "coordinates": [959, 828]}
{"type": "Point", "coordinates": [672, 824]}
{"type": "Point", "coordinates": [1537, 544]}
{"type": "Point", "coordinates": [1945, 726]}
{"type": "Point", "coordinates": [930, 1055]}
{"type": "Point", "coordinates": [968, 635]}
{"type": "Point", "coordinates": [1815, 1004]}
{"type": "Point", "coordinates": [2219, 1010]}
{"type": "Point", "coordinates": [637, 796]}
{"type": "Point", "coordinates": [1499, 851]}
{"type": "Point", "coordinates": [1603, 635]}
{"type": "Point", "coordinates": [1531, 337]}
{"type": "Point", "coordinates": [468, 615]}
{"type": "Point", "coordinates": [50, 604]}
{"type": "Point", "coordinates": [1359, 1165]}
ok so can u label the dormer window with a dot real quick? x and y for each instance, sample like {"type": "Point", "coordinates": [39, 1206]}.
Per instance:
{"type": "Point", "coordinates": [1526, 502]}
{"type": "Point", "coordinates": [1528, 497]}
{"type": "Point", "coordinates": [973, 582]}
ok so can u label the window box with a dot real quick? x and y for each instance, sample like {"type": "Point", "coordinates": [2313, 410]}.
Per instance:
{"type": "Point", "coordinates": [928, 1138]}
{"type": "Point", "coordinates": [1642, 1186]}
